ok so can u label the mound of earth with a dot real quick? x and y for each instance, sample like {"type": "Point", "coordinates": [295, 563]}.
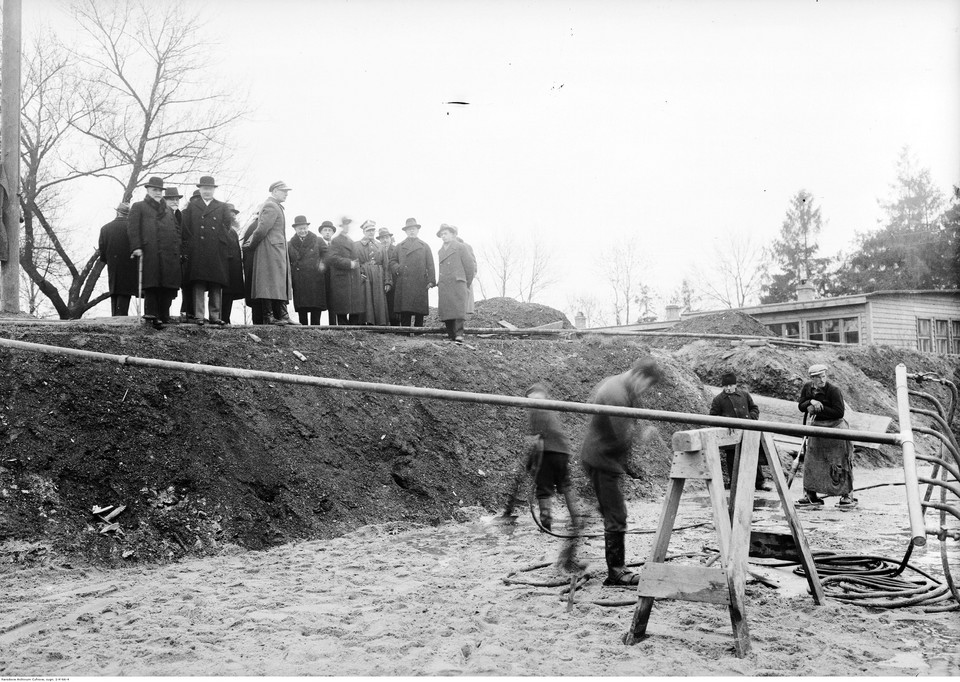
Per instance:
{"type": "Point", "coordinates": [203, 463]}
{"type": "Point", "coordinates": [489, 312]}
{"type": "Point", "coordinates": [726, 322]}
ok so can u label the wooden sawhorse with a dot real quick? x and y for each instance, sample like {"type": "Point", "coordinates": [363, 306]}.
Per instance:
{"type": "Point", "coordinates": [697, 456]}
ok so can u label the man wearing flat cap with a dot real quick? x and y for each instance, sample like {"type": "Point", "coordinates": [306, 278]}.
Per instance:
{"type": "Point", "coordinates": [827, 462]}
{"type": "Point", "coordinates": [375, 276]}
{"type": "Point", "coordinates": [414, 275]}
{"type": "Point", "coordinates": [205, 226]}
{"type": "Point", "coordinates": [155, 238]}
{"type": "Point", "coordinates": [114, 250]}
{"type": "Point", "coordinates": [735, 402]}
{"type": "Point", "coordinates": [458, 267]}
{"type": "Point", "coordinates": [271, 285]}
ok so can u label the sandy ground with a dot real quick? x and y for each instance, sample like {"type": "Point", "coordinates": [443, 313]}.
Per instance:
{"type": "Point", "coordinates": [387, 600]}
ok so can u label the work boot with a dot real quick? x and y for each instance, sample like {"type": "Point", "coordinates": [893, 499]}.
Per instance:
{"type": "Point", "coordinates": [546, 512]}
{"type": "Point", "coordinates": [283, 317]}
{"type": "Point", "coordinates": [618, 575]}
{"type": "Point", "coordinates": [268, 317]}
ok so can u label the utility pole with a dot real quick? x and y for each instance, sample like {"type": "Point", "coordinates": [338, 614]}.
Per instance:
{"type": "Point", "coordinates": [10, 157]}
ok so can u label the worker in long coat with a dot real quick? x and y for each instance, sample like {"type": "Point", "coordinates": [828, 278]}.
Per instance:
{"type": "Point", "coordinates": [345, 296]}
{"type": "Point", "coordinates": [458, 267]}
{"type": "Point", "coordinates": [385, 237]}
{"type": "Point", "coordinates": [205, 226]}
{"type": "Point", "coordinates": [327, 230]}
{"type": "Point", "coordinates": [375, 276]}
{"type": "Point", "coordinates": [155, 237]}
{"type": "Point", "coordinates": [307, 272]}
{"type": "Point", "coordinates": [114, 250]}
{"type": "Point", "coordinates": [470, 299]}
{"type": "Point", "coordinates": [271, 283]}
{"type": "Point", "coordinates": [231, 249]}
{"type": "Point", "coordinates": [413, 276]}
{"type": "Point", "coordinates": [186, 291]}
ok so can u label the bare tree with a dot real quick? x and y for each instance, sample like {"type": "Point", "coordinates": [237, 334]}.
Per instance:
{"type": "Point", "coordinates": [501, 258]}
{"type": "Point", "coordinates": [166, 119]}
{"type": "Point", "coordinates": [589, 306]}
{"type": "Point", "coordinates": [126, 104]}
{"type": "Point", "coordinates": [621, 266]}
{"type": "Point", "coordinates": [738, 273]}
{"type": "Point", "coordinates": [536, 269]}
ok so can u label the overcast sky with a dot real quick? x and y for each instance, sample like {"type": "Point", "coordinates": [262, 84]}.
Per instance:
{"type": "Point", "coordinates": [593, 122]}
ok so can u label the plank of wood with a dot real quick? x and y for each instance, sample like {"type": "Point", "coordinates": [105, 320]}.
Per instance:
{"type": "Point", "coordinates": [689, 465]}
{"type": "Point", "coordinates": [689, 583]}
{"type": "Point", "coordinates": [507, 325]}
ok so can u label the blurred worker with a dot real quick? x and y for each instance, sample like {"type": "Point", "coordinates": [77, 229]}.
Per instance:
{"type": "Point", "coordinates": [114, 250]}
{"type": "Point", "coordinates": [345, 296]}
{"type": "Point", "coordinates": [606, 458]}
{"type": "Point", "coordinates": [155, 237]}
{"type": "Point", "coordinates": [827, 462]}
{"type": "Point", "coordinates": [737, 403]}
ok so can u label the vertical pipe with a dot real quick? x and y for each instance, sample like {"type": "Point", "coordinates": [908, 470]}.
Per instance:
{"type": "Point", "coordinates": [917, 528]}
{"type": "Point", "coordinates": [10, 155]}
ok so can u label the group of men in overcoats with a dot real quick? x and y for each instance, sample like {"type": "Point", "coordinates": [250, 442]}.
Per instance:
{"type": "Point", "coordinates": [154, 249]}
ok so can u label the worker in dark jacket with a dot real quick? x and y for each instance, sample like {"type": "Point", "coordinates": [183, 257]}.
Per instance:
{"type": "Point", "coordinates": [827, 462]}
{"type": "Point", "coordinates": [737, 403]}
{"type": "Point", "coordinates": [114, 250]}
{"type": "Point", "coordinates": [155, 237]}
{"type": "Point", "coordinates": [605, 454]}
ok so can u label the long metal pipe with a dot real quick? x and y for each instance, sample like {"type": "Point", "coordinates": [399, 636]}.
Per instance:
{"type": "Point", "coordinates": [911, 484]}
{"type": "Point", "coordinates": [465, 396]}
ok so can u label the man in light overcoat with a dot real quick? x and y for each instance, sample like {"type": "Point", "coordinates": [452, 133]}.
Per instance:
{"type": "Point", "coordinates": [271, 285]}
{"type": "Point", "coordinates": [458, 267]}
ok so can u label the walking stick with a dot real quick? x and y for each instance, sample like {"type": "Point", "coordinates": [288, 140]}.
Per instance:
{"type": "Point", "coordinates": [139, 283]}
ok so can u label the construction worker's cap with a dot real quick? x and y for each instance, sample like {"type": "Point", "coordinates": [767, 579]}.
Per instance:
{"type": "Point", "coordinates": [817, 370]}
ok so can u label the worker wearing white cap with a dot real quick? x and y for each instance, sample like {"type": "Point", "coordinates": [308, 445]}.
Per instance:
{"type": "Point", "coordinates": [828, 462]}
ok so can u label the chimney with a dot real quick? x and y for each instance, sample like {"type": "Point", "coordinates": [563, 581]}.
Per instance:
{"type": "Point", "coordinates": [580, 321]}
{"type": "Point", "coordinates": [672, 312]}
{"type": "Point", "coordinates": [806, 291]}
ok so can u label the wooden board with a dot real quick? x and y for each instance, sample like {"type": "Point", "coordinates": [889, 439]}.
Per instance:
{"type": "Point", "coordinates": [689, 583]}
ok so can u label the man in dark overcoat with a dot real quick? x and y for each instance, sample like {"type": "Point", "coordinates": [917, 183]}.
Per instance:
{"type": "Point", "coordinates": [155, 237]}
{"type": "Point", "coordinates": [413, 276]}
{"type": "Point", "coordinates": [172, 196]}
{"type": "Point", "coordinates": [327, 230]}
{"type": "Point", "coordinates": [457, 270]}
{"type": "Point", "coordinates": [389, 250]}
{"type": "Point", "coordinates": [114, 250]}
{"type": "Point", "coordinates": [271, 284]}
{"type": "Point", "coordinates": [733, 401]}
{"type": "Point", "coordinates": [205, 234]}
{"type": "Point", "coordinates": [234, 289]}
{"type": "Point", "coordinates": [307, 272]}
{"type": "Point", "coordinates": [345, 296]}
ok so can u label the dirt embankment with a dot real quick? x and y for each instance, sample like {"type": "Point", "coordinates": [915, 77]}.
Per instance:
{"type": "Point", "coordinates": [202, 462]}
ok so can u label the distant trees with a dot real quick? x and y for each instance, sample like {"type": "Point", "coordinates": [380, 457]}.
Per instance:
{"type": "Point", "coordinates": [917, 246]}
{"type": "Point", "coordinates": [517, 269]}
{"type": "Point", "coordinates": [736, 277]}
{"type": "Point", "coordinates": [621, 266]}
{"type": "Point", "coordinates": [793, 253]}
{"type": "Point", "coordinates": [128, 102]}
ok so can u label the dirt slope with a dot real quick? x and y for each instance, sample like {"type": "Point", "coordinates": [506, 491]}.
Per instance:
{"type": "Point", "coordinates": [202, 462]}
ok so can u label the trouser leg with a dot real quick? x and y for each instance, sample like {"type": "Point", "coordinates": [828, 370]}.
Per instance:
{"type": "Point", "coordinates": [215, 299]}
{"type": "Point", "coordinates": [226, 309]}
{"type": "Point", "coordinates": [451, 326]}
{"type": "Point", "coordinates": [546, 512]}
{"type": "Point", "coordinates": [615, 551]}
{"type": "Point", "coordinates": [405, 319]}
{"type": "Point", "coordinates": [303, 316]}
{"type": "Point", "coordinates": [151, 303]}
{"type": "Point", "coordinates": [198, 289]}
{"type": "Point", "coordinates": [315, 317]}
{"type": "Point", "coordinates": [119, 305]}
{"type": "Point", "coordinates": [417, 320]}
{"type": "Point", "coordinates": [165, 299]}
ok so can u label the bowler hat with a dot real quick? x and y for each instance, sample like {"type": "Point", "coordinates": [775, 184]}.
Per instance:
{"type": "Point", "coordinates": [384, 232]}
{"type": "Point", "coordinates": [206, 181]}
{"type": "Point", "coordinates": [325, 224]}
{"type": "Point", "coordinates": [411, 222]}
{"type": "Point", "coordinates": [155, 182]}
{"type": "Point", "coordinates": [444, 226]}
{"type": "Point", "coordinates": [300, 220]}
{"type": "Point", "coordinates": [728, 379]}
{"type": "Point", "coordinates": [817, 370]}
{"type": "Point", "coordinates": [279, 184]}
{"type": "Point", "coordinates": [123, 208]}
{"type": "Point", "coordinates": [172, 193]}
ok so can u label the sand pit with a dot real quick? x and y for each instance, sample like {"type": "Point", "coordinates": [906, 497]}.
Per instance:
{"type": "Point", "coordinates": [389, 600]}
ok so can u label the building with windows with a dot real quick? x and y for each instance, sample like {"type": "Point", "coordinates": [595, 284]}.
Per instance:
{"type": "Point", "coordinates": [922, 320]}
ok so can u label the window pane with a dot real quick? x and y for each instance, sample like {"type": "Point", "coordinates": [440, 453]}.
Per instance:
{"type": "Point", "coordinates": [776, 328]}
{"type": "Point", "coordinates": [941, 327]}
{"type": "Point", "coordinates": [923, 328]}
{"type": "Point", "coordinates": [792, 330]}
{"type": "Point", "coordinates": [815, 331]}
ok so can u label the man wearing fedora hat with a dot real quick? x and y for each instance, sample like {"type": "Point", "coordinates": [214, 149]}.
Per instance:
{"type": "Point", "coordinates": [414, 275]}
{"type": "Point", "coordinates": [205, 240]}
{"type": "Point", "coordinates": [457, 270]}
{"type": "Point", "coordinates": [155, 238]}
{"type": "Point", "coordinates": [114, 250]}
{"type": "Point", "coordinates": [389, 249]}
{"type": "Point", "coordinates": [345, 295]}
{"type": "Point", "coordinates": [271, 285]}
{"type": "Point", "coordinates": [307, 272]}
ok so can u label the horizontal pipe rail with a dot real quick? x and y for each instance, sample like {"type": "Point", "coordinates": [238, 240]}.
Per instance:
{"type": "Point", "coordinates": [465, 396]}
